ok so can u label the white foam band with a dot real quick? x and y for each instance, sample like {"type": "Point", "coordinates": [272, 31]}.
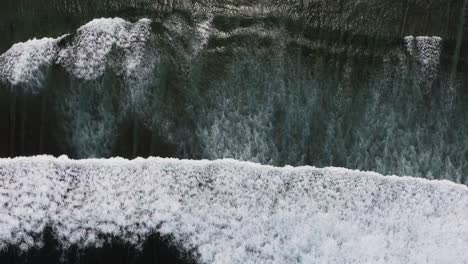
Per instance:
{"type": "Point", "coordinates": [236, 212]}
{"type": "Point", "coordinates": [23, 62]}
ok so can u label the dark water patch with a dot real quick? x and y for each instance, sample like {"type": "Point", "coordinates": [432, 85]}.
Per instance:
{"type": "Point", "coordinates": [155, 249]}
{"type": "Point", "coordinates": [25, 19]}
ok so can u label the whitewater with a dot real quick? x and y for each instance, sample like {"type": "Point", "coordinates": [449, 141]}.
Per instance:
{"type": "Point", "coordinates": [228, 211]}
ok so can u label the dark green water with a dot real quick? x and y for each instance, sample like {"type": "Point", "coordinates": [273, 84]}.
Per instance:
{"type": "Point", "coordinates": [323, 83]}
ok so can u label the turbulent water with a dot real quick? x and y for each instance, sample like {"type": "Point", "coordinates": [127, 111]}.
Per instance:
{"type": "Point", "coordinates": [278, 83]}
{"type": "Point", "coordinates": [234, 212]}
{"type": "Point", "coordinates": [377, 85]}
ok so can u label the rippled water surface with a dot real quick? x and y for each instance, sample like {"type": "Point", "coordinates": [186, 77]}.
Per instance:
{"type": "Point", "coordinates": [372, 85]}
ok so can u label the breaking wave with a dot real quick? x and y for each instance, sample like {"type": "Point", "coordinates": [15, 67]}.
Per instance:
{"type": "Point", "coordinates": [214, 86]}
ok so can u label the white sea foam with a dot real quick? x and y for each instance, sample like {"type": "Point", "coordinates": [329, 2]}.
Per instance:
{"type": "Point", "coordinates": [203, 29]}
{"type": "Point", "coordinates": [105, 43]}
{"type": "Point", "coordinates": [24, 62]}
{"type": "Point", "coordinates": [426, 51]}
{"type": "Point", "coordinates": [90, 53]}
{"type": "Point", "coordinates": [237, 212]}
